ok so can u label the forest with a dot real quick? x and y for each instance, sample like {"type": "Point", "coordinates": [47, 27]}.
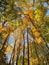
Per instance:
{"type": "Point", "coordinates": [24, 32]}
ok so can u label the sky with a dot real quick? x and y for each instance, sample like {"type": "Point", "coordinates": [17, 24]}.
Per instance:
{"type": "Point", "coordinates": [47, 12]}
{"type": "Point", "coordinates": [11, 40]}
{"type": "Point", "coordinates": [45, 4]}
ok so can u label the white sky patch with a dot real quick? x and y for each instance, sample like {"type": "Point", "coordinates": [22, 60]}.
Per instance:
{"type": "Point", "coordinates": [11, 40]}
{"type": "Point", "coordinates": [22, 16]}
{"type": "Point", "coordinates": [45, 4]}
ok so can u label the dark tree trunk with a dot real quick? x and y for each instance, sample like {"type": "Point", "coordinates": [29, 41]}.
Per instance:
{"type": "Point", "coordinates": [23, 48]}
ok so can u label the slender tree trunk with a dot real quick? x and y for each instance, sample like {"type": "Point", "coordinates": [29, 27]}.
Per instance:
{"type": "Point", "coordinates": [28, 47]}
{"type": "Point", "coordinates": [18, 54]}
{"type": "Point", "coordinates": [23, 49]}
{"type": "Point", "coordinates": [3, 47]}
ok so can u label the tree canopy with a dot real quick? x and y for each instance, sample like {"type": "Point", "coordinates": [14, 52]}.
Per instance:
{"type": "Point", "coordinates": [24, 32]}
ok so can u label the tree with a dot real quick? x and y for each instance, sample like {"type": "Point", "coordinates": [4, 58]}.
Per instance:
{"type": "Point", "coordinates": [19, 17]}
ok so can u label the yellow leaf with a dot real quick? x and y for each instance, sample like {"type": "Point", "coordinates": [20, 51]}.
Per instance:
{"type": "Point", "coordinates": [36, 34]}
{"type": "Point", "coordinates": [8, 49]}
{"type": "Point", "coordinates": [26, 12]}
{"type": "Point", "coordinates": [0, 28]}
{"type": "Point", "coordinates": [5, 35]}
{"type": "Point", "coordinates": [33, 29]}
{"type": "Point", "coordinates": [39, 40]}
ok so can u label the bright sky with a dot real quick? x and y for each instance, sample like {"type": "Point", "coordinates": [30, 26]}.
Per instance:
{"type": "Point", "coordinates": [45, 4]}
{"type": "Point", "coordinates": [47, 12]}
{"type": "Point", "coordinates": [11, 40]}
